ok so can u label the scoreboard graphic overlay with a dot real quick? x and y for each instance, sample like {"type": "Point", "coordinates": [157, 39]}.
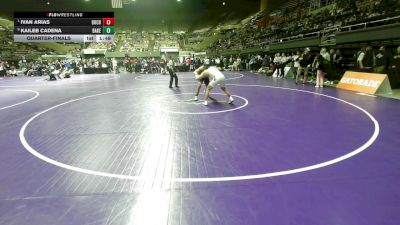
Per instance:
{"type": "Point", "coordinates": [64, 26]}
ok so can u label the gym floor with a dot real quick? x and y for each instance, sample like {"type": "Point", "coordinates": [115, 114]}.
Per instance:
{"type": "Point", "coordinates": [126, 149]}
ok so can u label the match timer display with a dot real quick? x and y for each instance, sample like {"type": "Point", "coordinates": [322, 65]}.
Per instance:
{"type": "Point", "coordinates": [64, 26]}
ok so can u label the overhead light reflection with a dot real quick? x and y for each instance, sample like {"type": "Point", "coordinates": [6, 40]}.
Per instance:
{"type": "Point", "coordinates": [154, 198]}
{"type": "Point", "coordinates": [151, 208]}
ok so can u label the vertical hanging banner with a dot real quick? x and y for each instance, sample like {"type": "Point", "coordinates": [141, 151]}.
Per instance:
{"type": "Point", "coordinates": [116, 4]}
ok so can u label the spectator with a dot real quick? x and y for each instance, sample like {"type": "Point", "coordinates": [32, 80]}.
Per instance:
{"type": "Point", "coordinates": [339, 66]}
{"type": "Point", "coordinates": [239, 63]}
{"type": "Point", "coordinates": [12, 72]}
{"type": "Point", "coordinates": [225, 61]}
{"type": "Point", "coordinates": [2, 69]}
{"type": "Point", "coordinates": [114, 65]}
{"type": "Point", "coordinates": [323, 61]}
{"type": "Point", "coordinates": [265, 65]}
{"type": "Point", "coordinates": [381, 60]}
{"type": "Point", "coordinates": [366, 60]}
{"type": "Point", "coordinates": [394, 75]}
{"type": "Point", "coordinates": [284, 61]}
{"type": "Point", "coordinates": [331, 70]}
{"type": "Point", "coordinates": [305, 62]}
{"type": "Point", "coordinates": [296, 64]}
{"type": "Point", "coordinates": [277, 63]}
{"type": "Point", "coordinates": [359, 57]}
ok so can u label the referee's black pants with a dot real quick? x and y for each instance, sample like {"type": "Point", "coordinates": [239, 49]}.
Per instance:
{"type": "Point", "coordinates": [172, 75]}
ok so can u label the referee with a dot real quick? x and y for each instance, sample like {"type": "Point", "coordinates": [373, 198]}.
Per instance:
{"type": "Point", "coordinates": [171, 69]}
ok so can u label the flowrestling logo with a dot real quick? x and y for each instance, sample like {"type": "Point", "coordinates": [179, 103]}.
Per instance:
{"type": "Point", "coordinates": [64, 15]}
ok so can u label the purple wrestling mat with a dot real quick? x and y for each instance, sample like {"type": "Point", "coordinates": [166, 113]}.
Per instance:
{"type": "Point", "coordinates": [126, 149]}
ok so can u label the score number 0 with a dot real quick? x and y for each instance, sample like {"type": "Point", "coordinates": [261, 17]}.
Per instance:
{"type": "Point", "coordinates": [108, 21]}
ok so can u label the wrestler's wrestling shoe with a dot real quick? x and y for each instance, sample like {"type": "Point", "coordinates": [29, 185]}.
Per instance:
{"type": "Point", "coordinates": [230, 101]}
